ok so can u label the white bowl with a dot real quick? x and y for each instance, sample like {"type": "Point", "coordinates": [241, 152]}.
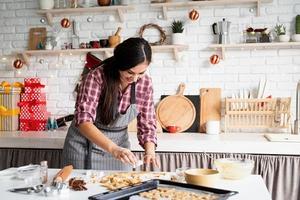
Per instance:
{"type": "Point", "coordinates": [235, 169]}
{"type": "Point", "coordinates": [296, 37]}
{"type": "Point", "coordinates": [28, 171]}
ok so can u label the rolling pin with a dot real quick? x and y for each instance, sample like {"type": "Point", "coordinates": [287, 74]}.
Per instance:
{"type": "Point", "coordinates": [63, 174]}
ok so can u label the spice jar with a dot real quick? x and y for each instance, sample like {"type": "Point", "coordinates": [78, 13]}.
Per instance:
{"type": "Point", "coordinates": [44, 171]}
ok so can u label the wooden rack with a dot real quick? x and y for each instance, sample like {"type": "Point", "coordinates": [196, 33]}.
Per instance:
{"type": "Point", "coordinates": [25, 55]}
{"type": "Point", "coordinates": [52, 12]}
{"type": "Point", "coordinates": [167, 5]}
{"type": "Point", "coordinates": [257, 113]}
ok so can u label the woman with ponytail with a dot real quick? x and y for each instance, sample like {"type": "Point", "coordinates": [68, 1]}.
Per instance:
{"type": "Point", "coordinates": [108, 99]}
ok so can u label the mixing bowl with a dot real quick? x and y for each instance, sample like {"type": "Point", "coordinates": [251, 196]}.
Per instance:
{"type": "Point", "coordinates": [231, 168]}
{"type": "Point", "coordinates": [203, 177]}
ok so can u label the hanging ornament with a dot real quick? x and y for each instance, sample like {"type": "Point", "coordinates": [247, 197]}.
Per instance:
{"type": "Point", "coordinates": [18, 64]}
{"type": "Point", "coordinates": [214, 59]}
{"type": "Point", "coordinates": [194, 15]}
{"type": "Point", "coordinates": [65, 23]}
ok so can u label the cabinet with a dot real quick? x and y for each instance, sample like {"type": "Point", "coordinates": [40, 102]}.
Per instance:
{"type": "Point", "coordinates": [167, 5]}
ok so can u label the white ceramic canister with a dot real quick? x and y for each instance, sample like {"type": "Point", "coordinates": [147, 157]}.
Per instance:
{"type": "Point", "coordinates": [213, 127]}
{"type": "Point", "coordinates": [46, 4]}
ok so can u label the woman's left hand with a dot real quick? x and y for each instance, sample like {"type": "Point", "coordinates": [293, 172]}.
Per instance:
{"type": "Point", "coordinates": [151, 159]}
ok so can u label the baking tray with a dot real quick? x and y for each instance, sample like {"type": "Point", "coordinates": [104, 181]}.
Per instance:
{"type": "Point", "coordinates": [126, 193]}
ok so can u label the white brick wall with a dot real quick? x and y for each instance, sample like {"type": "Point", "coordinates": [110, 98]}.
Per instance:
{"type": "Point", "coordinates": [242, 69]}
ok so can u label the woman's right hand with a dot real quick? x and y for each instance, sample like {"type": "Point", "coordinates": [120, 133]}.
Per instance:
{"type": "Point", "coordinates": [124, 155]}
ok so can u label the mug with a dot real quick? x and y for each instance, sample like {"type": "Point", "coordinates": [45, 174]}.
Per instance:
{"type": "Point", "coordinates": [213, 127]}
{"type": "Point", "coordinates": [173, 129]}
{"type": "Point", "coordinates": [95, 44]}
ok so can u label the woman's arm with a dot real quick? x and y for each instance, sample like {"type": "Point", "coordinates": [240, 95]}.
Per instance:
{"type": "Point", "coordinates": [93, 134]}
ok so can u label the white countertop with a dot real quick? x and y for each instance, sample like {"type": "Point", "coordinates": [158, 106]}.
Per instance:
{"type": "Point", "coordinates": [249, 188]}
{"type": "Point", "coordinates": [180, 142]}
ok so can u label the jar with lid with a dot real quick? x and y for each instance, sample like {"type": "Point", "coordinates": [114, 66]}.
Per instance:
{"type": "Point", "coordinates": [49, 43]}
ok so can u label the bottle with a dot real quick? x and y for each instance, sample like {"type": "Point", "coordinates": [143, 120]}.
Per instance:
{"type": "Point", "coordinates": [44, 171]}
{"type": "Point", "coordinates": [75, 38]}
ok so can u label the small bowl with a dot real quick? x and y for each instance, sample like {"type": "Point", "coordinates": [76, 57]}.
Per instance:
{"type": "Point", "coordinates": [203, 177]}
{"type": "Point", "coordinates": [234, 169]}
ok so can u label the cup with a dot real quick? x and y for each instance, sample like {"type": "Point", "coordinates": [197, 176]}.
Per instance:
{"type": "Point", "coordinates": [213, 127]}
{"type": "Point", "coordinates": [95, 44]}
{"type": "Point", "coordinates": [103, 43]}
{"type": "Point", "coordinates": [173, 129]}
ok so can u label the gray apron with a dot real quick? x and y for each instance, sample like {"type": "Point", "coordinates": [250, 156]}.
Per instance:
{"type": "Point", "coordinates": [83, 154]}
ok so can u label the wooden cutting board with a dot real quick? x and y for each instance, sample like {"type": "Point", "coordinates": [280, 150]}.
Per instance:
{"type": "Point", "coordinates": [210, 106]}
{"type": "Point", "coordinates": [176, 110]}
{"type": "Point", "coordinates": [196, 102]}
{"type": "Point", "coordinates": [37, 37]}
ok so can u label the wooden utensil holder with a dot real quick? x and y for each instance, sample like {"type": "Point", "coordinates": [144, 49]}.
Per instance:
{"type": "Point", "coordinates": [257, 113]}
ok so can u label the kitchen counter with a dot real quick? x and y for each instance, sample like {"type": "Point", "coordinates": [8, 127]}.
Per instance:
{"type": "Point", "coordinates": [252, 143]}
{"type": "Point", "coordinates": [249, 188]}
{"type": "Point", "coordinates": [274, 161]}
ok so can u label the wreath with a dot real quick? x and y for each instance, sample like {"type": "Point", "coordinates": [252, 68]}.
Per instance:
{"type": "Point", "coordinates": [155, 26]}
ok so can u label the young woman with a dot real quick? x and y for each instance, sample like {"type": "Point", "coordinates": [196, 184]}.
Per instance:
{"type": "Point", "coordinates": [109, 98]}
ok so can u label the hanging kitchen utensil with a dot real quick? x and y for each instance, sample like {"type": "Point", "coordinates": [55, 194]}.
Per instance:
{"type": "Point", "coordinates": [176, 110]}
{"type": "Point", "coordinates": [210, 106]}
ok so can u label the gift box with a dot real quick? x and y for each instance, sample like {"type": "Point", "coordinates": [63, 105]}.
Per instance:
{"type": "Point", "coordinates": [31, 80]}
{"type": "Point", "coordinates": [33, 125]}
{"type": "Point", "coordinates": [28, 97]}
{"type": "Point", "coordinates": [9, 119]}
{"type": "Point", "coordinates": [34, 115]}
{"type": "Point", "coordinates": [9, 110]}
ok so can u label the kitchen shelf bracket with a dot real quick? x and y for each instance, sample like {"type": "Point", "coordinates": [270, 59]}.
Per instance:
{"type": "Point", "coordinates": [175, 52]}
{"type": "Point", "coordinates": [49, 17]}
{"type": "Point", "coordinates": [165, 12]}
{"type": "Point", "coordinates": [24, 57]}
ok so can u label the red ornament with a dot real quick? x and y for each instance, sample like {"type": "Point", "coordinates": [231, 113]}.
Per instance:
{"type": "Point", "coordinates": [214, 59]}
{"type": "Point", "coordinates": [65, 23]}
{"type": "Point", "coordinates": [194, 15]}
{"type": "Point", "coordinates": [18, 64]}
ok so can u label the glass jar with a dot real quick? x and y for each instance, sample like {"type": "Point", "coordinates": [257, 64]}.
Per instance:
{"type": "Point", "coordinates": [49, 43]}
{"type": "Point", "coordinates": [251, 37]}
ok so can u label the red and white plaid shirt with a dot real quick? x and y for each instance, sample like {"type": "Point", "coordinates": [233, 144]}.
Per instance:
{"type": "Point", "coordinates": [88, 99]}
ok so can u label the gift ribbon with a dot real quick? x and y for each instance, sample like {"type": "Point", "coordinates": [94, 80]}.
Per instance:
{"type": "Point", "coordinates": [9, 112]}
{"type": "Point", "coordinates": [7, 87]}
{"type": "Point", "coordinates": [34, 85]}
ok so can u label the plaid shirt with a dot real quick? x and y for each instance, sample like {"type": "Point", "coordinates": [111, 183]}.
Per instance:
{"type": "Point", "coordinates": [88, 98]}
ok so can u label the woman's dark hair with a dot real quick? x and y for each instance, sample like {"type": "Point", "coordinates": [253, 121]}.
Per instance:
{"type": "Point", "coordinates": [128, 54]}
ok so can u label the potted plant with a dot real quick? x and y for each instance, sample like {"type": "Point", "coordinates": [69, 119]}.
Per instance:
{"type": "Point", "coordinates": [178, 35]}
{"type": "Point", "coordinates": [296, 36]}
{"type": "Point", "coordinates": [280, 31]}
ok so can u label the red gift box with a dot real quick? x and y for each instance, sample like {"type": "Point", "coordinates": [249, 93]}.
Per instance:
{"type": "Point", "coordinates": [33, 125]}
{"type": "Point", "coordinates": [25, 97]}
{"type": "Point", "coordinates": [32, 90]}
{"type": "Point", "coordinates": [28, 81]}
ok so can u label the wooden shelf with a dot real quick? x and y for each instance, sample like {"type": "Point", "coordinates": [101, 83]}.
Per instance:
{"type": "Point", "coordinates": [167, 5]}
{"type": "Point", "coordinates": [68, 11]}
{"type": "Point", "coordinates": [107, 51]}
{"type": "Point", "coordinates": [223, 47]}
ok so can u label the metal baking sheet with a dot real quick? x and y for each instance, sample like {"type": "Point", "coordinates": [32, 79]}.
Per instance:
{"type": "Point", "coordinates": [126, 193]}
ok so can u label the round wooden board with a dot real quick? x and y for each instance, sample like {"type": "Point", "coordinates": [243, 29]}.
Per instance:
{"type": "Point", "coordinates": [176, 110]}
